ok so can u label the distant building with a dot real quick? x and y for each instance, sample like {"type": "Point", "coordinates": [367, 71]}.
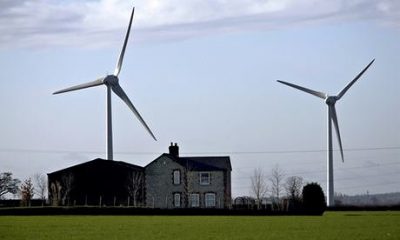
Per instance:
{"type": "Point", "coordinates": [170, 181]}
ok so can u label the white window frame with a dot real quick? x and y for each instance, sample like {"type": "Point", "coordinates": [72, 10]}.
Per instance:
{"type": "Point", "coordinates": [176, 177]}
{"type": "Point", "coordinates": [201, 182]}
{"type": "Point", "coordinates": [177, 199]}
{"type": "Point", "coordinates": [195, 200]}
{"type": "Point", "coordinates": [210, 202]}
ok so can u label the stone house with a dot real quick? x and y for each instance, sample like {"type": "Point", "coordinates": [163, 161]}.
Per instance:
{"type": "Point", "coordinates": [172, 181]}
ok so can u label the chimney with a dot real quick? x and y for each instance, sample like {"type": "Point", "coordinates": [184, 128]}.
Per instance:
{"type": "Point", "coordinates": [174, 150]}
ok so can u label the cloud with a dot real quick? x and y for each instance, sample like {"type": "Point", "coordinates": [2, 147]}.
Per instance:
{"type": "Point", "coordinates": [91, 23]}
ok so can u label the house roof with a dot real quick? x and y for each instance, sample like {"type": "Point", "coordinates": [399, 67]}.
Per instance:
{"type": "Point", "coordinates": [212, 163]}
{"type": "Point", "coordinates": [207, 163]}
{"type": "Point", "coordinates": [103, 162]}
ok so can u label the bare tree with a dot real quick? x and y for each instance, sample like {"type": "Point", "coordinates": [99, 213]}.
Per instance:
{"type": "Point", "coordinates": [259, 186]}
{"type": "Point", "coordinates": [67, 185]}
{"type": "Point", "coordinates": [188, 181]}
{"type": "Point", "coordinates": [294, 186]}
{"type": "Point", "coordinates": [40, 185]}
{"type": "Point", "coordinates": [135, 185]}
{"type": "Point", "coordinates": [276, 179]}
{"type": "Point", "coordinates": [55, 193]}
{"type": "Point", "coordinates": [27, 192]}
{"type": "Point", "coordinates": [8, 184]}
{"type": "Point", "coordinates": [186, 186]}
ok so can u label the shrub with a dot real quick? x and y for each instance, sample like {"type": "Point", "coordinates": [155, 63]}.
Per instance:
{"type": "Point", "coordinates": [313, 199]}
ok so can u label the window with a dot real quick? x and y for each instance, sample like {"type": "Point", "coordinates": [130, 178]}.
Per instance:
{"type": "Point", "coordinates": [210, 199]}
{"type": "Point", "coordinates": [177, 200]}
{"type": "Point", "coordinates": [194, 200]}
{"type": "Point", "coordinates": [204, 178]}
{"type": "Point", "coordinates": [177, 177]}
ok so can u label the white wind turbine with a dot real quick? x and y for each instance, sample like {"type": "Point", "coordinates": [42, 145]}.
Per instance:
{"type": "Point", "coordinates": [111, 82]}
{"type": "Point", "coordinates": [332, 116]}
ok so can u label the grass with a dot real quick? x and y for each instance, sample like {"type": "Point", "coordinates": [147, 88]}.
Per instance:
{"type": "Point", "coordinates": [333, 225]}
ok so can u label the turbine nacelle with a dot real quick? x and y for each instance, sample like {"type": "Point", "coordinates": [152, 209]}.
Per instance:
{"type": "Point", "coordinates": [331, 100]}
{"type": "Point", "coordinates": [111, 80]}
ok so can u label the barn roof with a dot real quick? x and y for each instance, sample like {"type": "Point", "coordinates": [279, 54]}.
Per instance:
{"type": "Point", "coordinates": [103, 162]}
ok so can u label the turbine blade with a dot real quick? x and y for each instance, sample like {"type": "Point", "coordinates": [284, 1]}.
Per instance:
{"type": "Point", "coordinates": [121, 56]}
{"type": "Point", "coordinates": [315, 93]}
{"type": "Point", "coordinates": [340, 95]}
{"type": "Point", "coordinates": [332, 109]}
{"type": "Point", "coordinates": [120, 93]}
{"type": "Point", "coordinates": [97, 82]}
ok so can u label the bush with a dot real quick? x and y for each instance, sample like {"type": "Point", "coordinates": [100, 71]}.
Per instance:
{"type": "Point", "coordinates": [313, 199]}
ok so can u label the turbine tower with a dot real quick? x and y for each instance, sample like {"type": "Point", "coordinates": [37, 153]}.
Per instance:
{"type": "Point", "coordinates": [112, 84]}
{"type": "Point", "coordinates": [332, 117]}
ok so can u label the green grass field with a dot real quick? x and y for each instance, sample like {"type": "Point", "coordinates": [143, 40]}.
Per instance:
{"type": "Point", "coordinates": [333, 225]}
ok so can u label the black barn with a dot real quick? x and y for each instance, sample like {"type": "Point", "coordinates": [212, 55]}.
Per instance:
{"type": "Point", "coordinates": [98, 182]}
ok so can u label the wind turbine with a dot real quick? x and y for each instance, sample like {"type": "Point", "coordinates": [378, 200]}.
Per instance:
{"type": "Point", "coordinates": [112, 84]}
{"type": "Point", "coordinates": [332, 117]}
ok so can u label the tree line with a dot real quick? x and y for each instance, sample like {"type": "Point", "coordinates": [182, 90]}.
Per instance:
{"type": "Point", "coordinates": [26, 189]}
{"type": "Point", "coordinates": [285, 193]}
